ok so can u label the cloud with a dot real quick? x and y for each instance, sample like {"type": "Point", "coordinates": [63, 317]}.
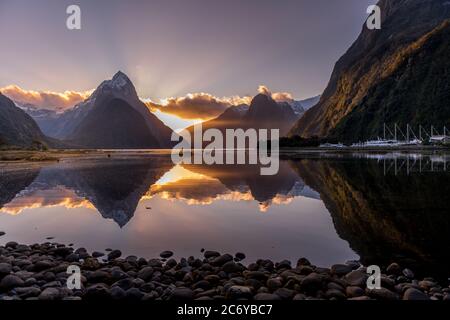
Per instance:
{"type": "Point", "coordinates": [277, 96]}
{"type": "Point", "coordinates": [45, 99]}
{"type": "Point", "coordinates": [205, 106]}
{"type": "Point", "coordinates": [192, 107]}
{"type": "Point", "coordinates": [197, 105]}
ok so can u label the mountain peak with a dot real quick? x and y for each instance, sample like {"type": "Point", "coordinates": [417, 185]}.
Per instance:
{"type": "Point", "coordinates": [120, 85]}
{"type": "Point", "coordinates": [119, 80]}
{"type": "Point", "coordinates": [262, 98]}
{"type": "Point", "coordinates": [120, 77]}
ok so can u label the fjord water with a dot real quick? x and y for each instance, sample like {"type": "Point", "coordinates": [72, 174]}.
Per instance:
{"type": "Point", "coordinates": [328, 208]}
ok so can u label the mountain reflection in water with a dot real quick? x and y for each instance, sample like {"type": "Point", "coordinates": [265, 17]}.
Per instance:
{"type": "Point", "coordinates": [384, 217]}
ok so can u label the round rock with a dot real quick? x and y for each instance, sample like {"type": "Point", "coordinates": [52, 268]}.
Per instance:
{"type": "Point", "coordinates": [414, 294]}
{"type": "Point", "coordinates": [266, 297]}
{"type": "Point", "coordinates": [9, 282]}
{"type": "Point", "coordinates": [114, 254]}
{"type": "Point", "coordinates": [166, 254]}
{"type": "Point", "coordinates": [182, 294]}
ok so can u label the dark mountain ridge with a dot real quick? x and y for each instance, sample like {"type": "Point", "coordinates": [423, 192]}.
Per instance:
{"type": "Point", "coordinates": [17, 128]}
{"type": "Point", "coordinates": [385, 68]}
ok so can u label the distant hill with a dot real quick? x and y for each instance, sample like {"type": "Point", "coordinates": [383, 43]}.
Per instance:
{"type": "Point", "coordinates": [399, 74]}
{"type": "Point", "coordinates": [45, 118]}
{"type": "Point", "coordinates": [17, 128]}
{"type": "Point", "coordinates": [309, 103]}
{"type": "Point", "coordinates": [263, 113]}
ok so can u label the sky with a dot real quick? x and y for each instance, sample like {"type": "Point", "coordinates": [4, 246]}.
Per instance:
{"type": "Point", "coordinates": [173, 48]}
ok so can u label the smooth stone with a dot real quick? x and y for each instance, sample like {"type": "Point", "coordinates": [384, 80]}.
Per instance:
{"type": "Point", "coordinates": [30, 282]}
{"type": "Point", "coordinates": [305, 270]}
{"type": "Point", "coordinates": [72, 298]}
{"type": "Point", "coordinates": [284, 293]}
{"type": "Point", "coordinates": [97, 292]}
{"type": "Point", "coordinates": [387, 282]}
{"type": "Point", "coordinates": [2, 233]}
{"type": "Point", "coordinates": [239, 292]}
{"type": "Point", "coordinates": [134, 294]}
{"type": "Point", "coordinates": [208, 293]}
{"type": "Point", "coordinates": [171, 263]}
{"type": "Point", "coordinates": [231, 267]}
{"type": "Point", "coordinates": [63, 251]}
{"type": "Point", "coordinates": [155, 263]}
{"type": "Point", "coordinates": [414, 294]}
{"type": "Point", "coordinates": [341, 269]}
{"type": "Point", "coordinates": [299, 296]}
{"type": "Point", "coordinates": [138, 283]}
{"type": "Point", "coordinates": [50, 294]}
{"type": "Point", "coordinates": [10, 281]}
{"type": "Point", "coordinates": [166, 254]}
{"type": "Point", "coordinates": [258, 275]}
{"type": "Point", "coordinates": [51, 284]}
{"type": "Point", "coordinates": [43, 265]}
{"type": "Point", "coordinates": [73, 257]}
{"type": "Point", "coordinates": [382, 294]}
{"type": "Point", "coordinates": [335, 286]}
{"type": "Point", "coordinates": [125, 284]}
{"type": "Point", "coordinates": [312, 282]}
{"type": "Point", "coordinates": [266, 297]}
{"type": "Point", "coordinates": [202, 284]}
{"type": "Point", "coordinates": [27, 292]}
{"type": "Point", "coordinates": [5, 269]}
{"type": "Point", "coordinates": [362, 298]}
{"type": "Point", "coordinates": [91, 264]}
{"type": "Point", "coordinates": [356, 278]}
{"type": "Point", "coordinates": [426, 285]}
{"type": "Point", "coordinates": [333, 293]}
{"type": "Point", "coordinates": [11, 244]}
{"type": "Point", "coordinates": [408, 273]}
{"type": "Point", "coordinates": [253, 267]}
{"type": "Point", "coordinates": [221, 260]}
{"type": "Point", "coordinates": [145, 273]}
{"type": "Point", "coordinates": [285, 264]}
{"type": "Point", "coordinates": [97, 254]}
{"type": "Point", "coordinates": [240, 256]}
{"type": "Point", "coordinates": [204, 299]}
{"type": "Point", "coordinates": [212, 278]}
{"type": "Point", "coordinates": [394, 268]}
{"type": "Point", "coordinates": [255, 284]}
{"type": "Point", "coordinates": [353, 264]}
{"type": "Point", "coordinates": [211, 254]}
{"type": "Point", "coordinates": [114, 254]}
{"type": "Point", "coordinates": [354, 292]}
{"type": "Point", "coordinates": [182, 294]}
{"type": "Point", "coordinates": [99, 276]}
{"type": "Point", "coordinates": [274, 284]}
{"type": "Point", "coordinates": [303, 262]}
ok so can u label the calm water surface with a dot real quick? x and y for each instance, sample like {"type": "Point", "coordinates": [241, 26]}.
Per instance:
{"type": "Point", "coordinates": [329, 208]}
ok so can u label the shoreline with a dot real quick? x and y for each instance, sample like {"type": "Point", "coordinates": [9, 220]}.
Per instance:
{"type": "Point", "coordinates": [57, 155]}
{"type": "Point", "coordinates": [39, 272]}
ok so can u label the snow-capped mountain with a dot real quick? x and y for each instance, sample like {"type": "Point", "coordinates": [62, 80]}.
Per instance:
{"type": "Point", "coordinates": [112, 117]}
